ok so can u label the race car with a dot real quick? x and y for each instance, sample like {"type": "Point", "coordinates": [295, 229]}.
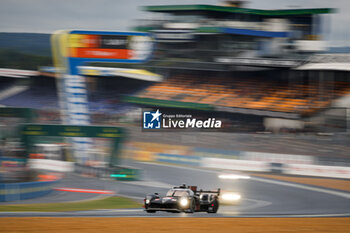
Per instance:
{"type": "Point", "coordinates": [183, 199]}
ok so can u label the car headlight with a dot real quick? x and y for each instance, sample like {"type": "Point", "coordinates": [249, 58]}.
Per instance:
{"type": "Point", "coordinates": [147, 201]}
{"type": "Point", "coordinates": [231, 197]}
{"type": "Point", "coordinates": [183, 202]}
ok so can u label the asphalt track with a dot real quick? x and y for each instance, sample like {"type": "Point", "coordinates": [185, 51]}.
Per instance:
{"type": "Point", "coordinates": [260, 197]}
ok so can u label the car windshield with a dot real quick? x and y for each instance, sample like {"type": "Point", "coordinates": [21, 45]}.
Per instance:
{"type": "Point", "coordinates": [177, 193]}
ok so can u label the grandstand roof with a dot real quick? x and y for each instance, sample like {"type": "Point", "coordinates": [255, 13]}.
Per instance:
{"type": "Point", "coordinates": [17, 73]}
{"type": "Point", "coordinates": [286, 12]}
{"type": "Point", "coordinates": [123, 72]}
{"type": "Point", "coordinates": [111, 72]}
{"type": "Point", "coordinates": [241, 31]}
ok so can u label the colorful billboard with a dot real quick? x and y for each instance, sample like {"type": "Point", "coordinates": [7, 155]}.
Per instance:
{"type": "Point", "coordinates": [123, 46]}
{"type": "Point", "coordinates": [76, 48]}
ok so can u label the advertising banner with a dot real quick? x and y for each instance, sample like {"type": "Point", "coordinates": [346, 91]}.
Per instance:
{"type": "Point", "coordinates": [107, 45]}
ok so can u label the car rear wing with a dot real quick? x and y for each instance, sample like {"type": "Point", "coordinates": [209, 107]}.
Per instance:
{"type": "Point", "coordinates": [201, 191]}
{"type": "Point", "coordinates": [211, 191]}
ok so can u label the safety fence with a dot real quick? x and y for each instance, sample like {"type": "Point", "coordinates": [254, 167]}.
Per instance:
{"type": "Point", "coordinates": [26, 190]}
{"type": "Point", "coordinates": [51, 165]}
{"type": "Point", "coordinates": [122, 173]}
{"type": "Point", "coordinates": [247, 161]}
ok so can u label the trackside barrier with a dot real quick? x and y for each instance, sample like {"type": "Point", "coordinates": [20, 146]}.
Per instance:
{"type": "Point", "coordinates": [100, 172]}
{"type": "Point", "coordinates": [277, 158]}
{"type": "Point", "coordinates": [51, 165]}
{"type": "Point", "coordinates": [316, 170]}
{"type": "Point", "coordinates": [27, 190]}
{"type": "Point", "coordinates": [217, 153]}
{"type": "Point", "coordinates": [248, 161]}
{"type": "Point", "coordinates": [278, 168]}
{"type": "Point", "coordinates": [118, 173]}
{"type": "Point", "coordinates": [234, 164]}
{"type": "Point", "coordinates": [147, 151]}
{"type": "Point", "coordinates": [179, 159]}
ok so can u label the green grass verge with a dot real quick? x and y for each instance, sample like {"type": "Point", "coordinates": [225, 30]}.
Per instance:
{"type": "Point", "coordinates": [107, 203]}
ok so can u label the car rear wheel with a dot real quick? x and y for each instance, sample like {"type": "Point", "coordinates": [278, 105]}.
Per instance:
{"type": "Point", "coordinates": [214, 208]}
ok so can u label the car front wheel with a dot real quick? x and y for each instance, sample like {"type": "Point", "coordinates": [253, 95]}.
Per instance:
{"type": "Point", "coordinates": [192, 207]}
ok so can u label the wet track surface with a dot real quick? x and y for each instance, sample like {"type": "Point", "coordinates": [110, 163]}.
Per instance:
{"type": "Point", "coordinates": [260, 197]}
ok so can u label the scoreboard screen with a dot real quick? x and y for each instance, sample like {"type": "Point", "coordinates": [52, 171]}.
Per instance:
{"type": "Point", "coordinates": [126, 47]}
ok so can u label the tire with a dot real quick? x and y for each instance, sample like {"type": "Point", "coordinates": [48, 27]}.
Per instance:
{"type": "Point", "coordinates": [192, 208]}
{"type": "Point", "coordinates": [215, 208]}
{"type": "Point", "coordinates": [150, 211]}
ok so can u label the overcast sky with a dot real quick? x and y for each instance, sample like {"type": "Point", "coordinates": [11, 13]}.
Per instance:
{"type": "Point", "coordinates": [49, 15]}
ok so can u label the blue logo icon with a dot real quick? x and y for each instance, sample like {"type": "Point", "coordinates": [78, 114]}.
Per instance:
{"type": "Point", "coordinates": [151, 120]}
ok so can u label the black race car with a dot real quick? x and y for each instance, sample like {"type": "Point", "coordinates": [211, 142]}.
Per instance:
{"type": "Point", "coordinates": [183, 199]}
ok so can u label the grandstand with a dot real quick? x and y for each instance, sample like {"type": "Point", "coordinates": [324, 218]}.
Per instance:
{"type": "Point", "coordinates": [240, 60]}
{"type": "Point", "coordinates": [33, 92]}
{"type": "Point", "coordinates": [38, 89]}
{"type": "Point", "coordinates": [261, 71]}
{"type": "Point", "coordinates": [244, 63]}
{"type": "Point", "coordinates": [213, 33]}
{"type": "Point", "coordinates": [253, 93]}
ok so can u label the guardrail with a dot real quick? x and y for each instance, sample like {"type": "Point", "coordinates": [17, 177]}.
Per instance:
{"type": "Point", "coordinates": [278, 168]}
{"type": "Point", "coordinates": [255, 166]}
{"type": "Point", "coordinates": [316, 170]}
{"type": "Point", "coordinates": [178, 159]}
{"type": "Point", "coordinates": [26, 190]}
{"type": "Point", "coordinates": [122, 173]}
{"type": "Point", "coordinates": [236, 164]}
{"type": "Point", "coordinates": [99, 172]}
{"type": "Point", "coordinates": [51, 165]}
{"type": "Point", "coordinates": [289, 164]}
